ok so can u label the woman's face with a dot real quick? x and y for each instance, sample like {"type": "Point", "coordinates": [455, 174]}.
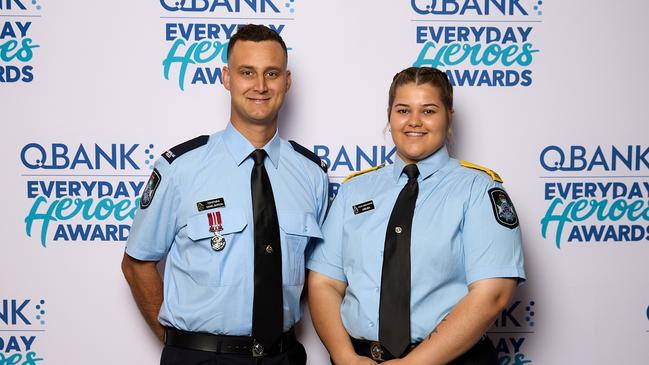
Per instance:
{"type": "Point", "coordinates": [419, 121]}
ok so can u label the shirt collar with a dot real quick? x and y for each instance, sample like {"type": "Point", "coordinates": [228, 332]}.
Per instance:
{"type": "Point", "coordinates": [427, 166]}
{"type": "Point", "coordinates": [240, 148]}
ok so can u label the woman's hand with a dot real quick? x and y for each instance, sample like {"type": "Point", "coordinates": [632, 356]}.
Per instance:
{"type": "Point", "coordinates": [357, 360]}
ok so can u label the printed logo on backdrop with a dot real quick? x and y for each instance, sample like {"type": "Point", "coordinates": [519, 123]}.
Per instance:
{"type": "Point", "coordinates": [22, 328]}
{"type": "Point", "coordinates": [512, 331]}
{"type": "Point", "coordinates": [197, 32]}
{"type": "Point", "coordinates": [478, 43]}
{"type": "Point", "coordinates": [80, 193]}
{"type": "Point", "coordinates": [346, 159]}
{"type": "Point", "coordinates": [18, 18]}
{"type": "Point", "coordinates": [595, 195]}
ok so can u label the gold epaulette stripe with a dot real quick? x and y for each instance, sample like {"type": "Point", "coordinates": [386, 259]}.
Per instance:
{"type": "Point", "coordinates": [357, 173]}
{"type": "Point", "coordinates": [494, 176]}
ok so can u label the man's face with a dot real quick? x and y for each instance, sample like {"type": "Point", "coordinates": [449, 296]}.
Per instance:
{"type": "Point", "coordinates": [257, 79]}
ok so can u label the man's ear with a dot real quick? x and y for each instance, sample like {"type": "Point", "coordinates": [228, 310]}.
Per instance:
{"type": "Point", "coordinates": [225, 74]}
{"type": "Point", "coordinates": [289, 80]}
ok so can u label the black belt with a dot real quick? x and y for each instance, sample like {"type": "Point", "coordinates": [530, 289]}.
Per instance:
{"type": "Point", "coordinates": [482, 353]}
{"type": "Point", "coordinates": [375, 351]}
{"type": "Point", "coordinates": [223, 344]}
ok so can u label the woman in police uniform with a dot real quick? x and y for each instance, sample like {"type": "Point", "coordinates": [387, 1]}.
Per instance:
{"type": "Point", "coordinates": [418, 257]}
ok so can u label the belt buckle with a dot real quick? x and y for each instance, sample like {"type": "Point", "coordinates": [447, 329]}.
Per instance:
{"type": "Point", "coordinates": [376, 351]}
{"type": "Point", "coordinates": [257, 349]}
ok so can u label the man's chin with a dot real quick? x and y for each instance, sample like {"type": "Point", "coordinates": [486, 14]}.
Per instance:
{"type": "Point", "coordinates": [261, 120]}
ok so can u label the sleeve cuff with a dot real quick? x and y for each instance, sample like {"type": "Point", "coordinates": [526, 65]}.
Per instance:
{"type": "Point", "coordinates": [329, 270]}
{"type": "Point", "coordinates": [496, 272]}
{"type": "Point", "coordinates": [144, 255]}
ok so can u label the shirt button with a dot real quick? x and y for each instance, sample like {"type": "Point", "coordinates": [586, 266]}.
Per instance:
{"type": "Point", "coordinates": [269, 249]}
{"type": "Point", "coordinates": [371, 324]}
{"type": "Point", "coordinates": [397, 230]}
{"type": "Point", "coordinates": [378, 289]}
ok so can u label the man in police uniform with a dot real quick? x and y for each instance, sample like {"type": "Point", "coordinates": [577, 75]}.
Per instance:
{"type": "Point", "coordinates": [232, 213]}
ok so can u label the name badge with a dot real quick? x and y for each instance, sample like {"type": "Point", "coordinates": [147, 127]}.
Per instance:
{"type": "Point", "coordinates": [210, 204]}
{"type": "Point", "coordinates": [363, 207]}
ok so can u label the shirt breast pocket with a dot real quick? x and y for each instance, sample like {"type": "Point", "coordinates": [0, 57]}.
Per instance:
{"type": "Point", "coordinates": [207, 266]}
{"type": "Point", "coordinates": [296, 230]}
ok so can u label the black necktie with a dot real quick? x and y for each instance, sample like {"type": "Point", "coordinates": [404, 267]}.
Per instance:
{"type": "Point", "coordinates": [267, 309]}
{"type": "Point", "coordinates": [394, 308]}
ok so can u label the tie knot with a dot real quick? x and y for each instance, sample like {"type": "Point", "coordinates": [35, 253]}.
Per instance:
{"type": "Point", "coordinates": [258, 156]}
{"type": "Point", "coordinates": [411, 171]}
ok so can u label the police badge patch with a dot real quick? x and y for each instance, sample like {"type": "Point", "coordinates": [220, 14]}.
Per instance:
{"type": "Point", "coordinates": [149, 190]}
{"type": "Point", "coordinates": [503, 208]}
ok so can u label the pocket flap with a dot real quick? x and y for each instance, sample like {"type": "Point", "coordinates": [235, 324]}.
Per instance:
{"type": "Point", "coordinates": [301, 224]}
{"type": "Point", "coordinates": [233, 219]}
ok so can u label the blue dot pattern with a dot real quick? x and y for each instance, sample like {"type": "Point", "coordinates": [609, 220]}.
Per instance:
{"type": "Point", "coordinates": [150, 157]}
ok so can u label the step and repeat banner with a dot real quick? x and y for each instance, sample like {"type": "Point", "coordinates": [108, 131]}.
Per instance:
{"type": "Point", "coordinates": [550, 94]}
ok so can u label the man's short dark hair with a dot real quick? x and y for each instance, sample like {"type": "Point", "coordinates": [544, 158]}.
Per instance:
{"type": "Point", "coordinates": [256, 33]}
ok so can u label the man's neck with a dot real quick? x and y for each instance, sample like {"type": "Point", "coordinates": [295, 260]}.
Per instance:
{"type": "Point", "coordinates": [257, 134]}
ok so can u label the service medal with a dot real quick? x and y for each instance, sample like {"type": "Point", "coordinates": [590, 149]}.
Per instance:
{"type": "Point", "coordinates": [218, 241]}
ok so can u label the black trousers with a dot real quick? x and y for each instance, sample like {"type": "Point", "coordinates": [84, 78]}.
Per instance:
{"type": "Point", "coordinates": [180, 356]}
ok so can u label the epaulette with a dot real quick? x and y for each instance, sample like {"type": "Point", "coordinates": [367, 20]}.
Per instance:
{"type": "Point", "coordinates": [358, 173]}
{"type": "Point", "coordinates": [173, 153]}
{"type": "Point", "coordinates": [308, 154]}
{"type": "Point", "coordinates": [494, 176]}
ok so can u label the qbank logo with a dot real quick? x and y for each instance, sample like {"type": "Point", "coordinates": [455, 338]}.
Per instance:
{"type": "Point", "coordinates": [197, 34]}
{"type": "Point", "coordinates": [60, 156]}
{"type": "Point", "coordinates": [343, 160]}
{"type": "Point", "coordinates": [478, 43]}
{"type": "Point", "coordinates": [512, 330]}
{"type": "Point", "coordinates": [595, 194]}
{"type": "Point", "coordinates": [18, 19]}
{"type": "Point", "coordinates": [22, 325]}
{"type": "Point", "coordinates": [83, 192]}
{"type": "Point", "coordinates": [227, 6]}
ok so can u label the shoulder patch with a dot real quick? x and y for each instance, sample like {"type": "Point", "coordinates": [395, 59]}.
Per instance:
{"type": "Point", "coordinates": [494, 176]}
{"type": "Point", "coordinates": [149, 190]}
{"type": "Point", "coordinates": [308, 154]}
{"type": "Point", "coordinates": [173, 153]}
{"type": "Point", "coordinates": [358, 173]}
{"type": "Point", "coordinates": [503, 208]}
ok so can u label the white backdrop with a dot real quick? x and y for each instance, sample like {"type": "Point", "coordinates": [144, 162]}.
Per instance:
{"type": "Point", "coordinates": [538, 82]}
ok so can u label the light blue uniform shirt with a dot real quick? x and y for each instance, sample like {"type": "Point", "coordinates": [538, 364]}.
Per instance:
{"type": "Point", "coordinates": [455, 241]}
{"type": "Point", "coordinates": [212, 291]}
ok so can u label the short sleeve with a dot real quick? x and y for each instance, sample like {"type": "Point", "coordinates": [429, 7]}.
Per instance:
{"type": "Point", "coordinates": [491, 235]}
{"type": "Point", "coordinates": [326, 254]}
{"type": "Point", "coordinates": [153, 228]}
